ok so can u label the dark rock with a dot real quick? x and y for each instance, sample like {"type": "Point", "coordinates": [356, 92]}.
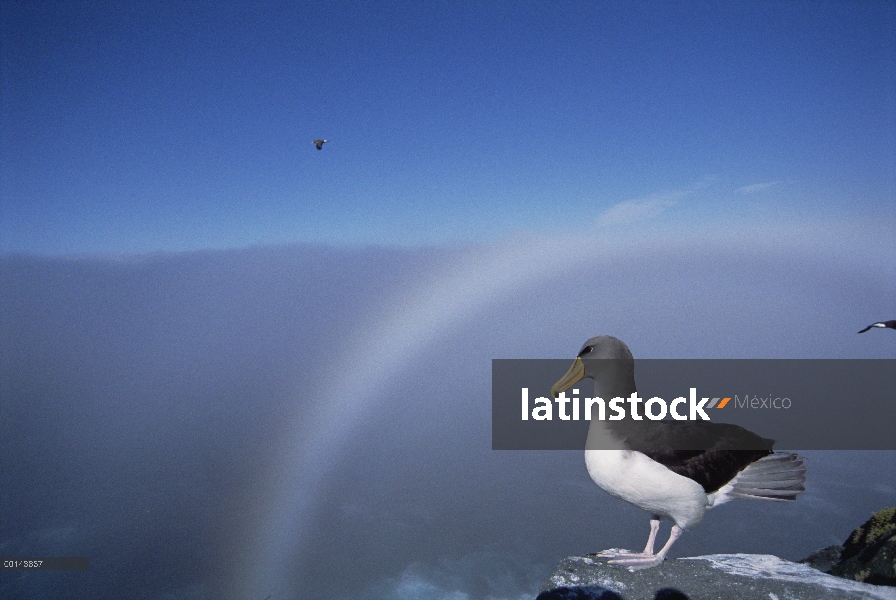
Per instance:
{"type": "Point", "coordinates": [716, 577]}
{"type": "Point", "coordinates": [868, 555]}
{"type": "Point", "coordinates": [876, 565]}
{"type": "Point", "coordinates": [582, 592]}
{"type": "Point", "coordinates": [880, 527]}
{"type": "Point", "coordinates": [824, 559]}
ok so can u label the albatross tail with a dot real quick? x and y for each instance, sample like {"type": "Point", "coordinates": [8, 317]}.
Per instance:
{"type": "Point", "coordinates": [775, 477]}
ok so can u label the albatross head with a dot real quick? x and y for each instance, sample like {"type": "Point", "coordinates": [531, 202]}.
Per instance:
{"type": "Point", "coordinates": [606, 360]}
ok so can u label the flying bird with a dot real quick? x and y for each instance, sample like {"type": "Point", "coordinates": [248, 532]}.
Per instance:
{"type": "Point", "coordinates": [647, 469]}
{"type": "Point", "coordinates": [320, 143]}
{"type": "Point", "coordinates": [882, 325]}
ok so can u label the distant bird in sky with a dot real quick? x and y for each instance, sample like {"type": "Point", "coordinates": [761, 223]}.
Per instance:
{"type": "Point", "coordinates": [649, 469]}
{"type": "Point", "coordinates": [882, 325]}
{"type": "Point", "coordinates": [320, 143]}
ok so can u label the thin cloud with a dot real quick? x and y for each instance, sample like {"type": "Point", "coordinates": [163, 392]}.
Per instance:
{"type": "Point", "coordinates": [649, 207]}
{"type": "Point", "coordinates": [632, 211]}
{"type": "Point", "coordinates": [757, 187]}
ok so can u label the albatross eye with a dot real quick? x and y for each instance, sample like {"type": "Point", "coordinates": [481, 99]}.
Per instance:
{"type": "Point", "coordinates": [586, 350]}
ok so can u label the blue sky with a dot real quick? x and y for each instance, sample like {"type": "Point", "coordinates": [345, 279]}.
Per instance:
{"type": "Point", "coordinates": [179, 126]}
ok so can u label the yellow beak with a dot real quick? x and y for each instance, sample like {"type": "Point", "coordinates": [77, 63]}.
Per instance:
{"type": "Point", "coordinates": [574, 375]}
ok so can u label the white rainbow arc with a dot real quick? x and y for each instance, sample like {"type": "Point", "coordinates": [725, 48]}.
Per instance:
{"type": "Point", "coordinates": [479, 276]}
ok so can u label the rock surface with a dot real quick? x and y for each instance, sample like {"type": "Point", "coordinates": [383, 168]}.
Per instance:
{"type": "Point", "coordinates": [715, 577]}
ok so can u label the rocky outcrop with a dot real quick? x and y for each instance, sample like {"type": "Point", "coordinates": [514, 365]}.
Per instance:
{"type": "Point", "coordinates": [868, 555]}
{"type": "Point", "coordinates": [716, 577]}
{"type": "Point", "coordinates": [863, 567]}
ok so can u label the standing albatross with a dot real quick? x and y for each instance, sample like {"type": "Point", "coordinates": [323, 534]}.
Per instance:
{"type": "Point", "coordinates": [647, 469]}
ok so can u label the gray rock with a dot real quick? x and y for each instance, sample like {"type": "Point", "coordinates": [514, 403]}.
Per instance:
{"type": "Point", "coordinates": [715, 577]}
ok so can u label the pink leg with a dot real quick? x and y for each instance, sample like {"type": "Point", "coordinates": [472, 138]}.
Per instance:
{"type": "Point", "coordinates": [654, 528]}
{"type": "Point", "coordinates": [635, 562]}
{"type": "Point", "coordinates": [648, 549]}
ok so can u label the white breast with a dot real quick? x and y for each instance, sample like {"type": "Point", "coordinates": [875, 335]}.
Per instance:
{"type": "Point", "coordinates": [635, 478]}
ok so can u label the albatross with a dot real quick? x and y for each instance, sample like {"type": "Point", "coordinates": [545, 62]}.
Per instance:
{"type": "Point", "coordinates": [320, 143]}
{"type": "Point", "coordinates": [882, 325]}
{"type": "Point", "coordinates": [647, 469]}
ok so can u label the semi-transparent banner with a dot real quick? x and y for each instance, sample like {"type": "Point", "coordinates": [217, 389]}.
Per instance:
{"type": "Point", "coordinates": [679, 405]}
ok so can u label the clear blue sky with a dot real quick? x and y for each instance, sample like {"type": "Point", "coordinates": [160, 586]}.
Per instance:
{"type": "Point", "coordinates": [133, 127]}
